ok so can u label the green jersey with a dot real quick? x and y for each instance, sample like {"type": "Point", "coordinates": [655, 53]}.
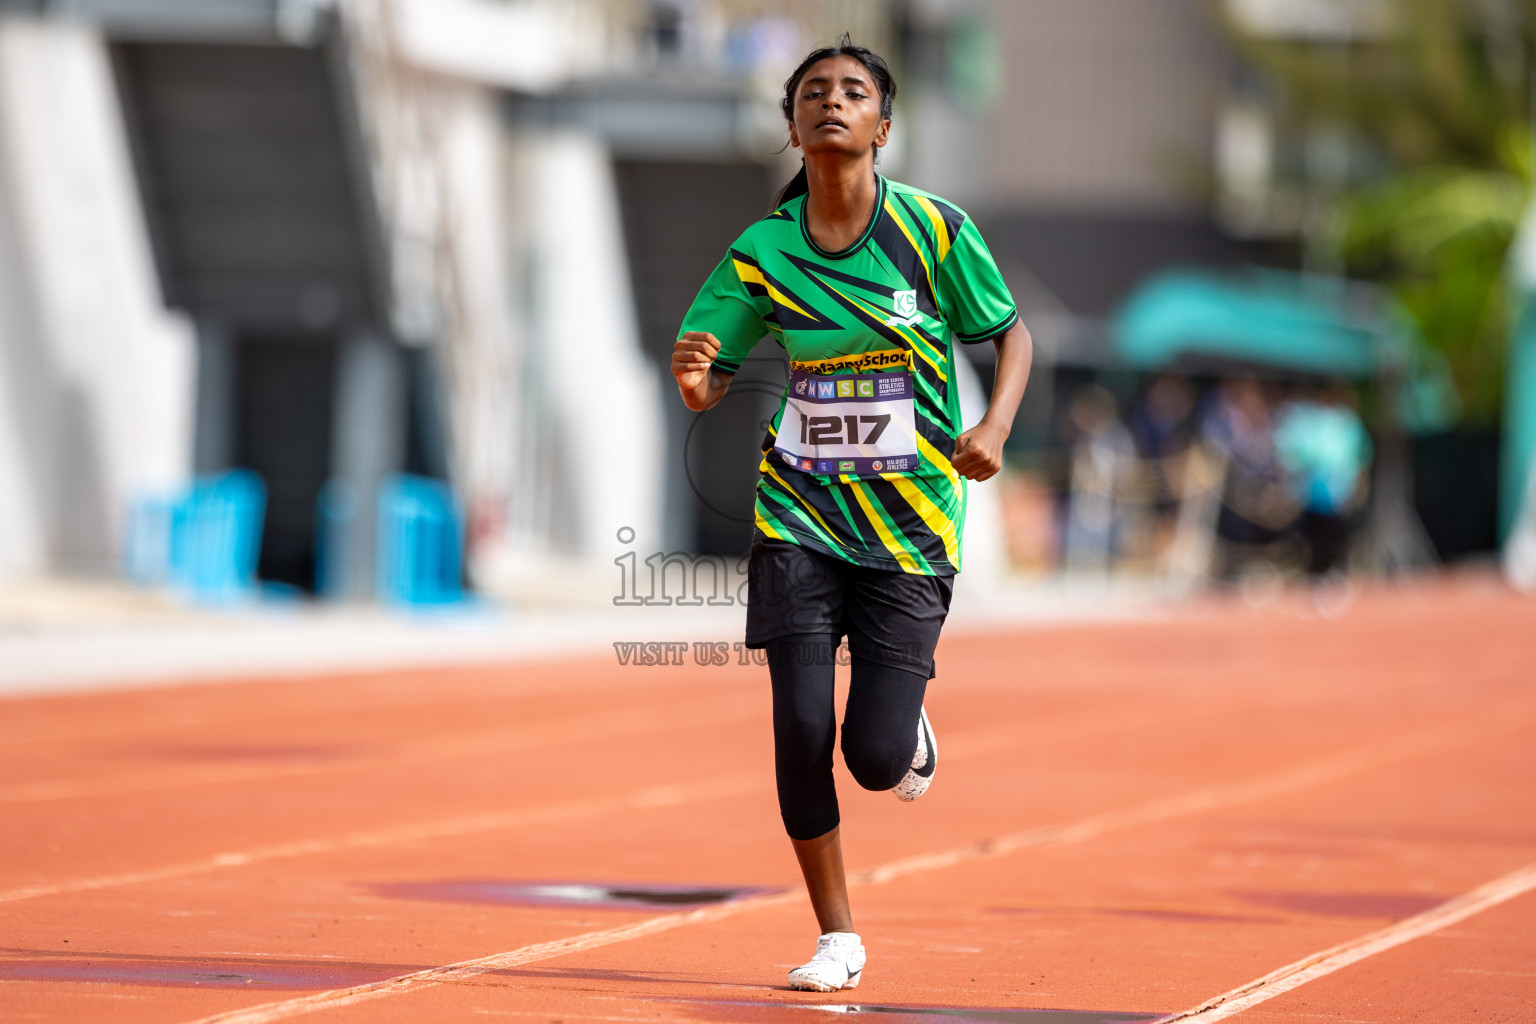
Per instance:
{"type": "Point", "coordinates": [856, 463]}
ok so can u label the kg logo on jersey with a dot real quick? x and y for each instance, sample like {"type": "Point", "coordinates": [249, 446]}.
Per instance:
{"type": "Point", "coordinates": [906, 309]}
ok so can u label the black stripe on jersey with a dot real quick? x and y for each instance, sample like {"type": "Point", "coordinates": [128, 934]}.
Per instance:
{"type": "Point", "coordinates": [922, 222]}
{"type": "Point", "coordinates": [1005, 324]}
{"type": "Point", "coordinates": [929, 544]}
{"type": "Point", "coordinates": [908, 262]}
{"type": "Point", "coordinates": [780, 215]}
{"type": "Point", "coordinates": [936, 433]}
{"type": "Point", "coordinates": [812, 269]}
{"type": "Point", "coordinates": [782, 316]}
{"type": "Point", "coordinates": [932, 408]}
{"type": "Point", "coordinates": [814, 272]}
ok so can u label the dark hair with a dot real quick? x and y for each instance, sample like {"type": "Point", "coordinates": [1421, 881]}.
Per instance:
{"type": "Point", "coordinates": [878, 69]}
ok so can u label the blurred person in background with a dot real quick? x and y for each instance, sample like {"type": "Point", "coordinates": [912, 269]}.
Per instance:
{"type": "Point", "coordinates": [1103, 462]}
{"type": "Point", "coordinates": [867, 284]}
{"type": "Point", "coordinates": [1325, 452]}
{"type": "Point", "coordinates": [1163, 425]}
{"type": "Point", "coordinates": [1238, 424]}
{"type": "Point", "coordinates": [1161, 420]}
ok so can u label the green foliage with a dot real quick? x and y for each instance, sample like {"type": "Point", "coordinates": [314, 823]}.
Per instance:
{"type": "Point", "coordinates": [1440, 236]}
{"type": "Point", "coordinates": [1439, 104]}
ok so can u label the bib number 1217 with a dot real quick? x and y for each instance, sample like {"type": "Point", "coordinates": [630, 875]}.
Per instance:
{"type": "Point", "coordinates": [853, 424]}
{"type": "Point", "coordinates": [820, 430]}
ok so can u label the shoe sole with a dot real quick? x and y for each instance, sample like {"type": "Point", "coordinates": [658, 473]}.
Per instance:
{"type": "Point", "coordinates": [811, 985]}
{"type": "Point", "coordinates": [926, 772]}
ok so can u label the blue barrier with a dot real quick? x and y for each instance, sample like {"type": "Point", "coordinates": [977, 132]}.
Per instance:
{"type": "Point", "coordinates": [420, 551]}
{"type": "Point", "coordinates": [335, 515]}
{"type": "Point", "coordinates": [147, 541]}
{"type": "Point", "coordinates": [204, 542]}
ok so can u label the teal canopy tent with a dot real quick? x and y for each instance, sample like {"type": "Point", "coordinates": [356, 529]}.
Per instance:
{"type": "Point", "coordinates": [1295, 324]}
{"type": "Point", "coordinates": [1288, 323]}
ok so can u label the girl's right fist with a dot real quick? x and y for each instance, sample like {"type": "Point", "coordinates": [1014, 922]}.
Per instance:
{"type": "Point", "coordinates": [692, 355]}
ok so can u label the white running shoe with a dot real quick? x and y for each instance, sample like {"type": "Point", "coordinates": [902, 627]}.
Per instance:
{"type": "Point", "coordinates": [915, 783]}
{"type": "Point", "coordinates": [838, 963]}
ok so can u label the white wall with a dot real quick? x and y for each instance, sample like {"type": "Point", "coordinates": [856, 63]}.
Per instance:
{"type": "Point", "coordinates": [1105, 101]}
{"type": "Point", "coordinates": [984, 544]}
{"type": "Point", "coordinates": [601, 427]}
{"type": "Point", "coordinates": [95, 375]}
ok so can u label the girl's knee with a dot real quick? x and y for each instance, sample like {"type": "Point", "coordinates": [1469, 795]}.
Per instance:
{"type": "Point", "coordinates": [875, 763]}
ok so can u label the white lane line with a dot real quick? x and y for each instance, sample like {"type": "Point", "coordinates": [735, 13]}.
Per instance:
{"type": "Point", "coordinates": [1193, 802]}
{"type": "Point", "coordinates": [337, 998]}
{"type": "Point", "coordinates": [1324, 963]}
{"type": "Point", "coordinates": [654, 796]}
{"type": "Point", "coordinates": [961, 745]}
{"type": "Point", "coordinates": [1182, 805]}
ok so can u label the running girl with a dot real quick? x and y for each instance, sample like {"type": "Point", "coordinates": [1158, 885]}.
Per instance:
{"type": "Point", "coordinates": [867, 284]}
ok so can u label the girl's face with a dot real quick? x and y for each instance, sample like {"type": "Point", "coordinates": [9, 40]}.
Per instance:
{"type": "Point", "coordinates": [837, 109]}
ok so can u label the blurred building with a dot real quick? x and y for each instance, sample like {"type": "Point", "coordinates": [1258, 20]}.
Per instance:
{"type": "Point", "coordinates": [1090, 159]}
{"type": "Point", "coordinates": [333, 240]}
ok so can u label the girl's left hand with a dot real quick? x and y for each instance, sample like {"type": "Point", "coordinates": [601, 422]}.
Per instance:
{"type": "Point", "coordinates": [979, 451]}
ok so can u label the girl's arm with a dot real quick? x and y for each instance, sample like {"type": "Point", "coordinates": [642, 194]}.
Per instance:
{"type": "Point", "coordinates": [979, 451]}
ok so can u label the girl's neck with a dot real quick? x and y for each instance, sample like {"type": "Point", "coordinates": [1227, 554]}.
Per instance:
{"type": "Point", "coordinates": [840, 202]}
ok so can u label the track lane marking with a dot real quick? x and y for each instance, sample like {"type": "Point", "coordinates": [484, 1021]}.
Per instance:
{"type": "Point", "coordinates": [386, 690]}
{"type": "Point", "coordinates": [1182, 805]}
{"type": "Point", "coordinates": [466, 969]}
{"type": "Point", "coordinates": [652, 796]}
{"type": "Point", "coordinates": [688, 713]}
{"type": "Point", "coordinates": [975, 742]}
{"type": "Point", "coordinates": [1327, 961]}
{"type": "Point", "coordinates": [980, 741]}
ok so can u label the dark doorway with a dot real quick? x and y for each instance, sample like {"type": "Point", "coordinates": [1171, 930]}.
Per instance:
{"type": "Point", "coordinates": [284, 393]}
{"type": "Point", "coordinates": [679, 220]}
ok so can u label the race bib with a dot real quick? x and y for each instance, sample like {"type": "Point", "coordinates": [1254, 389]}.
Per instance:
{"type": "Point", "coordinates": [860, 424]}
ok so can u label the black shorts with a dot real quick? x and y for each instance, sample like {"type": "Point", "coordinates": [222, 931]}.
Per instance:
{"type": "Point", "coordinates": [890, 618]}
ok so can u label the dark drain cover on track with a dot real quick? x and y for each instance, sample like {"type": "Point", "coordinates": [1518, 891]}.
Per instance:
{"type": "Point", "coordinates": [979, 1015]}
{"type": "Point", "coordinates": [742, 1012]}
{"type": "Point", "coordinates": [570, 894]}
{"type": "Point", "coordinates": [194, 972]}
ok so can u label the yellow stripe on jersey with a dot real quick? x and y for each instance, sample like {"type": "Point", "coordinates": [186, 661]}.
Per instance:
{"type": "Point", "coordinates": [934, 456]}
{"type": "Point", "coordinates": [919, 346]}
{"type": "Point", "coordinates": [941, 237]}
{"type": "Point", "coordinates": [903, 558]}
{"type": "Point", "coordinates": [915, 247]}
{"type": "Point", "coordinates": [934, 516]}
{"type": "Point", "coordinates": [754, 275]}
{"type": "Point", "coordinates": [767, 528]}
{"type": "Point", "coordinates": [771, 471]}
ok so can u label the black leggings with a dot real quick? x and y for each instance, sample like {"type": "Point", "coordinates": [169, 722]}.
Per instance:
{"type": "Point", "coordinates": [879, 727]}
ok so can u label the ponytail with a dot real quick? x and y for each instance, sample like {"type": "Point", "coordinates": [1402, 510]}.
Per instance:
{"type": "Point", "coordinates": [794, 189]}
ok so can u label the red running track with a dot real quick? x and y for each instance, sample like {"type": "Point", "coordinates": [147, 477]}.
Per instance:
{"type": "Point", "coordinates": [1130, 821]}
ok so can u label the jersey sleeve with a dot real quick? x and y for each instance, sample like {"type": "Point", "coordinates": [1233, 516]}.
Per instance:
{"type": "Point", "coordinates": [971, 293]}
{"type": "Point", "coordinates": [727, 310]}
